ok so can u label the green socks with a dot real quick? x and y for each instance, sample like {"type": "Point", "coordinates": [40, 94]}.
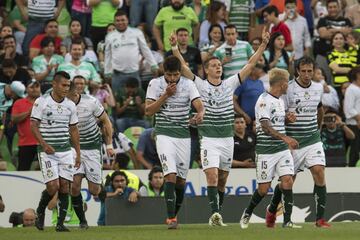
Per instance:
{"type": "Point", "coordinates": [320, 201]}
{"type": "Point", "coordinates": [221, 199]}
{"type": "Point", "coordinates": [63, 206]}
{"type": "Point", "coordinates": [77, 203]}
{"type": "Point", "coordinates": [212, 192]}
{"type": "Point", "coordinates": [288, 203]}
{"type": "Point", "coordinates": [255, 200]}
{"type": "Point", "coordinates": [44, 201]}
{"type": "Point", "coordinates": [275, 200]}
{"type": "Point", "coordinates": [179, 191]}
{"type": "Point", "coordinates": [169, 193]}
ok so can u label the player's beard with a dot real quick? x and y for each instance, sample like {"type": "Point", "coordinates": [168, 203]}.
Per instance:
{"type": "Point", "coordinates": [177, 7]}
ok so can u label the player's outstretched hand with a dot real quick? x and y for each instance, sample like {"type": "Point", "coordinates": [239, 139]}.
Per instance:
{"type": "Point", "coordinates": [197, 118]}
{"type": "Point", "coordinates": [291, 142]}
{"type": "Point", "coordinates": [171, 89]}
{"type": "Point", "coordinates": [290, 117]}
{"type": "Point", "coordinates": [48, 149]}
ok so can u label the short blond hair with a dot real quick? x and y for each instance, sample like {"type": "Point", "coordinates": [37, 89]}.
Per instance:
{"type": "Point", "coordinates": [277, 75]}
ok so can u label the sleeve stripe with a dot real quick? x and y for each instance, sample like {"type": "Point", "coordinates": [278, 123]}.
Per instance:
{"type": "Point", "coordinates": [73, 124]}
{"type": "Point", "coordinates": [100, 114]}
{"type": "Point", "coordinates": [264, 118]}
{"type": "Point", "coordinates": [194, 99]}
{"type": "Point", "coordinates": [151, 99]}
{"type": "Point", "coordinates": [238, 75]}
{"type": "Point", "coordinates": [34, 118]}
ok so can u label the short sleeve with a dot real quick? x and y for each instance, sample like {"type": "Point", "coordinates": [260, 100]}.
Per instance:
{"type": "Point", "coordinates": [287, 34]}
{"type": "Point", "coordinates": [35, 43]}
{"type": "Point", "coordinates": [218, 54]}
{"type": "Point", "coordinates": [125, 142]}
{"type": "Point", "coordinates": [238, 90]}
{"type": "Point", "coordinates": [151, 92]}
{"type": "Point", "coordinates": [18, 107]}
{"type": "Point", "coordinates": [159, 20]}
{"type": "Point", "coordinates": [194, 18]}
{"type": "Point", "coordinates": [94, 75]}
{"type": "Point", "coordinates": [98, 108]}
{"type": "Point", "coordinates": [249, 50]}
{"type": "Point", "coordinates": [142, 142]}
{"type": "Point", "coordinates": [73, 117]}
{"type": "Point", "coordinates": [37, 109]}
{"type": "Point", "coordinates": [36, 65]}
{"type": "Point", "coordinates": [262, 109]}
{"type": "Point", "coordinates": [322, 23]}
{"type": "Point", "coordinates": [234, 81]}
{"type": "Point", "coordinates": [194, 93]}
{"type": "Point", "coordinates": [284, 98]}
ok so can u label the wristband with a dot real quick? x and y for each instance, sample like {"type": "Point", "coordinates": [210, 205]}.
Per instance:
{"type": "Point", "coordinates": [109, 146]}
{"type": "Point", "coordinates": [174, 47]}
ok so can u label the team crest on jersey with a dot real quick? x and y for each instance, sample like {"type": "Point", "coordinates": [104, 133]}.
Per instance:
{"type": "Point", "coordinates": [59, 109]}
{"type": "Point", "coordinates": [49, 173]}
{"type": "Point", "coordinates": [262, 105]}
{"type": "Point", "coordinates": [307, 95]}
{"type": "Point", "coordinates": [164, 167]}
{"type": "Point", "coordinates": [250, 140]}
{"type": "Point", "coordinates": [205, 162]}
{"type": "Point", "coordinates": [263, 175]}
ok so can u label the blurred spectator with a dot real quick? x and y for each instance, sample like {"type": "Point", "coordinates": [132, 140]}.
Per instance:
{"type": "Point", "coordinates": [244, 145]}
{"type": "Point", "coordinates": [20, 116]}
{"type": "Point", "coordinates": [123, 148]}
{"type": "Point", "coordinates": [100, 48]}
{"type": "Point", "coordinates": [102, 14]}
{"type": "Point", "coordinates": [340, 61]}
{"type": "Point", "coordinates": [190, 54]}
{"type": "Point", "coordinates": [246, 95]}
{"type": "Point", "coordinates": [199, 9]}
{"type": "Point", "coordinates": [118, 188]}
{"type": "Point", "coordinates": [130, 106]}
{"type": "Point", "coordinates": [171, 18]}
{"type": "Point", "coordinates": [234, 53]}
{"type": "Point", "coordinates": [78, 66]}
{"type": "Point", "coordinates": [11, 72]}
{"type": "Point", "coordinates": [146, 149]}
{"type": "Point", "coordinates": [9, 43]}
{"type": "Point", "coordinates": [215, 15]}
{"type": "Point", "coordinates": [352, 113]}
{"type": "Point", "coordinates": [51, 30]}
{"type": "Point", "coordinates": [271, 16]}
{"type": "Point", "coordinates": [352, 13]}
{"type": "Point", "coordinates": [280, 5]}
{"type": "Point", "coordinates": [19, 25]}
{"type": "Point", "coordinates": [298, 28]}
{"type": "Point", "coordinates": [2, 205]}
{"type": "Point", "coordinates": [260, 5]}
{"type": "Point", "coordinates": [29, 217]}
{"type": "Point", "coordinates": [143, 9]}
{"type": "Point", "coordinates": [216, 39]}
{"type": "Point", "coordinates": [104, 94]}
{"type": "Point", "coordinates": [334, 134]}
{"type": "Point", "coordinates": [277, 56]}
{"type": "Point", "coordinates": [255, 43]}
{"type": "Point", "coordinates": [38, 13]}
{"type": "Point", "coordinates": [80, 84]}
{"type": "Point", "coordinates": [328, 26]}
{"type": "Point", "coordinates": [88, 54]}
{"type": "Point", "coordinates": [81, 11]}
{"type": "Point", "coordinates": [75, 30]}
{"type": "Point", "coordinates": [330, 97]}
{"type": "Point", "coordinates": [353, 41]}
{"type": "Point", "coordinates": [239, 14]}
{"type": "Point", "coordinates": [46, 64]}
{"type": "Point", "coordinates": [155, 187]}
{"type": "Point", "coordinates": [122, 50]}
{"type": "Point", "coordinates": [7, 31]}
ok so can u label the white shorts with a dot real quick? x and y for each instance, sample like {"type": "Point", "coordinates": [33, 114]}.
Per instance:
{"type": "Point", "coordinates": [91, 165]}
{"type": "Point", "coordinates": [216, 153]}
{"type": "Point", "coordinates": [59, 164]}
{"type": "Point", "coordinates": [308, 157]}
{"type": "Point", "coordinates": [267, 165]}
{"type": "Point", "coordinates": [174, 155]}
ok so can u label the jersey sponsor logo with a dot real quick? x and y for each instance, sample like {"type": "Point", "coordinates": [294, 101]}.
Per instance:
{"type": "Point", "coordinates": [300, 110]}
{"type": "Point", "coordinates": [307, 95]}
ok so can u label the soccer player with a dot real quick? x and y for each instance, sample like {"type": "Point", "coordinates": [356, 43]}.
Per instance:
{"type": "Point", "coordinates": [216, 131]}
{"type": "Point", "coordinates": [53, 117]}
{"type": "Point", "coordinates": [272, 147]}
{"type": "Point", "coordinates": [89, 111]}
{"type": "Point", "coordinates": [304, 99]}
{"type": "Point", "coordinates": [169, 98]}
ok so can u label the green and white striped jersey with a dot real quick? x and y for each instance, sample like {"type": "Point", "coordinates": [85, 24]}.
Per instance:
{"type": "Point", "coordinates": [304, 102]}
{"type": "Point", "coordinates": [88, 110]}
{"type": "Point", "coordinates": [173, 118]}
{"type": "Point", "coordinates": [85, 69]}
{"type": "Point", "coordinates": [241, 52]}
{"type": "Point", "coordinates": [219, 107]}
{"type": "Point", "coordinates": [39, 64]}
{"type": "Point", "coordinates": [55, 119]}
{"type": "Point", "coordinates": [269, 107]}
{"type": "Point", "coordinates": [5, 103]}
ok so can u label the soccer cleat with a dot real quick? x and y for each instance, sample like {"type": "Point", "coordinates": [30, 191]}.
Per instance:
{"type": "Point", "coordinates": [244, 221]}
{"type": "Point", "coordinates": [39, 222]}
{"type": "Point", "coordinates": [216, 220]}
{"type": "Point", "coordinates": [84, 225]}
{"type": "Point", "coordinates": [270, 218]}
{"type": "Point", "coordinates": [61, 228]}
{"type": "Point", "coordinates": [172, 223]}
{"type": "Point", "coordinates": [290, 224]}
{"type": "Point", "coordinates": [321, 223]}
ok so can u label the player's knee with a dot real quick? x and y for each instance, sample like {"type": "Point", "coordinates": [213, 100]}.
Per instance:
{"type": "Point", "coordinates": [286, 182]}
{"type": "Point", "coordinates": [52, 187]}
{"type": "Point", "coordinates": [94, 190]}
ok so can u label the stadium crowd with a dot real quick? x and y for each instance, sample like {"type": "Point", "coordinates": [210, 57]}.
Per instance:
{"type": "Point", "coordinates": [111, 50]}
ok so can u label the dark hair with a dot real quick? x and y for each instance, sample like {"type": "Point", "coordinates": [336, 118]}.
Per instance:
{"type": "Point", "coordinates": [216, 25]}
{"type": "Point", "coordinates": [46, 41]}
{"type": "Point", "coordinates": [353, 74]}
{"type": "Point", "coordinates": [61, 74]}
{"type": "Point", "coordinates": [239, 116]}
{"type": "Point", "coordinates": [271, 45]}
{"type": "Point", "coordinates": [342, 34]}
{"type": "Point", "coordinates": [119, 173]}
{"type": "Point", "coordinates": [110, 24]}
{"type": "Point", "coordinates": [132, 82]}
{"type": "Point", "coordinates": [79, 76]}
{"type": "Point", "coordinates": [305, 61]}
{"type": "Point", "coordinates": [290, 1]}
{"type": "Point", "coordinates": [172, 64]}
{"type": "Point", "coordinates": [9, 36]}
{"type": "Point", "coordinates": [206, 63]}
{"type": "Point", "coordinates": [49, 21]}
{"type": "Point", "coordinates": [270, 9]}
{"type": "Point", "coordinates": [154, 170]}
{"type": "Point", "coordinates": [8, 63]}
{"type": "Point", "coordinates": [213, 8]}
{"type": "Point", "coordinates": [331, 1]}
{"type": "Point", "coordinates": [74, 20]}
{"type": "Point", "coordinates": [322, 72]}
{"type": "Point", "coordinates": [331, 111]}
{"type": "Point", "coordinates": [182, 29]}
{"type": "Point", "coordinates": [120, 13]}
{"type": "Point", "coordinates": [256, 38]}
{"type": "Point", "coordinates": [229, 26]}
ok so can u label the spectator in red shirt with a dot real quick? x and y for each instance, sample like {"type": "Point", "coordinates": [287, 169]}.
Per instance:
{"type": "Point", "coordinates": [20, 115]}
{"type": "Point", "coordinates": [271, 16]}
{"type": "Point", "coordinates": [51, 30]}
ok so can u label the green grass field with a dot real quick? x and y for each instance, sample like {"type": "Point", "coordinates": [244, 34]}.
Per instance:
{"type": "Point", "coordinates": [339, 231]}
